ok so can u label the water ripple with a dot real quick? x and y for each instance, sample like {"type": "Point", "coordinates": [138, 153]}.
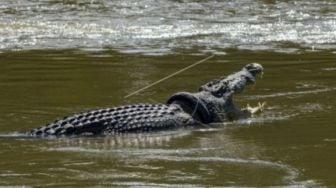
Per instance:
{"type": "Point", "coordinates": [293, 93]}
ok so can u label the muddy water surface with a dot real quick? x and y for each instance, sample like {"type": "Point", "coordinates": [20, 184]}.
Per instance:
{"type": "Point", "coordinates": [291, 143]}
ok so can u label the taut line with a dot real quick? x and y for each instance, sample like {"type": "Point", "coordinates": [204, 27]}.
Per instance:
{"type": "Point", "coordinates": [169, 76]}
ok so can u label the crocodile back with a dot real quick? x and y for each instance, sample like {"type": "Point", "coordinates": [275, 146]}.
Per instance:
{"type": "Point", "coordinates": [128, 118]}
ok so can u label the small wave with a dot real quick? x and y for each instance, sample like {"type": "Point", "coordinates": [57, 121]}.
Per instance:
{"type": "Point", "coordinates": [293, 93]}
{"type": "Point", "coordinates": [329, 140]}
{"type": "Point", "coordinates": [329, 69]}
{"type": "Point", "coordinates": [293, 172]}
{"type": "Point", "coordinates": [153, 185]}
{"type": "Point", "coordinates": [14, 135]}
{"type": "Point", "coordinates": [13, 175]}
{"type": "Point", "coordinates": [265, 117]}
{"type": "Point", "coordinates": [133, 152]}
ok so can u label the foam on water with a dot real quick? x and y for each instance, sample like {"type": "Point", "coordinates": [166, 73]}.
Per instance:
{"type": "Point", "coordinates": [153, 27]}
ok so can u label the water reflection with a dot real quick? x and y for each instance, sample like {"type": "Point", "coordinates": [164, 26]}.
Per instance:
{"type": "Point", "coordinates": [208, 156]}
{"type": "Point", "coordinates": [124, 141]}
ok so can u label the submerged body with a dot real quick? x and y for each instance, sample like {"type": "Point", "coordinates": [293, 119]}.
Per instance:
{"type": "Point", "coordinates": [213, 103]}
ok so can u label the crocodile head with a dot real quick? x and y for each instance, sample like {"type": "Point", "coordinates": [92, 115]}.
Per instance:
{"type": "Point", "coordinates": [234, 83]}
{"type": "Point", "coordinates": [214, 97]}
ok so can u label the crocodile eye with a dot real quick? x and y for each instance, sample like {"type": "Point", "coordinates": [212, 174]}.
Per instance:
{"type": "Point", "coordinates": [254, 68]}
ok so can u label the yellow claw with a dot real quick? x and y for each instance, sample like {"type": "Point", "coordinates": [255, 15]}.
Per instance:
{"type": "Point", "coordinates": [259, 108]}
{"type": "Point", "coordinates": [261, 75]}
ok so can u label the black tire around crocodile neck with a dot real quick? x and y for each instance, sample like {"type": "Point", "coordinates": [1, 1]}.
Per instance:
{"type": "Point", "coordinates": [194, 103]}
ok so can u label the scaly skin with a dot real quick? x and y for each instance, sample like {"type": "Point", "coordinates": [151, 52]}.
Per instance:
{"type": "Point", "coordinates": [213, 103]}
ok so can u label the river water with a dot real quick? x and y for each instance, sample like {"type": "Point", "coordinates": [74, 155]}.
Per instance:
{"type": "Point", "coordinates": [59, 57]}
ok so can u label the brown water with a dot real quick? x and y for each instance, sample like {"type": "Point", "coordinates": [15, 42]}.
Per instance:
{"type": "Point", "coordinates": [291, 144]}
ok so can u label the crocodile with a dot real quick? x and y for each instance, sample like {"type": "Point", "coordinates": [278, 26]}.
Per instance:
{"type": "Point", "coordinates": [212, 103]}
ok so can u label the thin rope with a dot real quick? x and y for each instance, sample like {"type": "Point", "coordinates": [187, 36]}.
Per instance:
{"type": "Point", "coordinates": [169, 76]}
{"type": "Point", "coordinates": [196, 106]}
